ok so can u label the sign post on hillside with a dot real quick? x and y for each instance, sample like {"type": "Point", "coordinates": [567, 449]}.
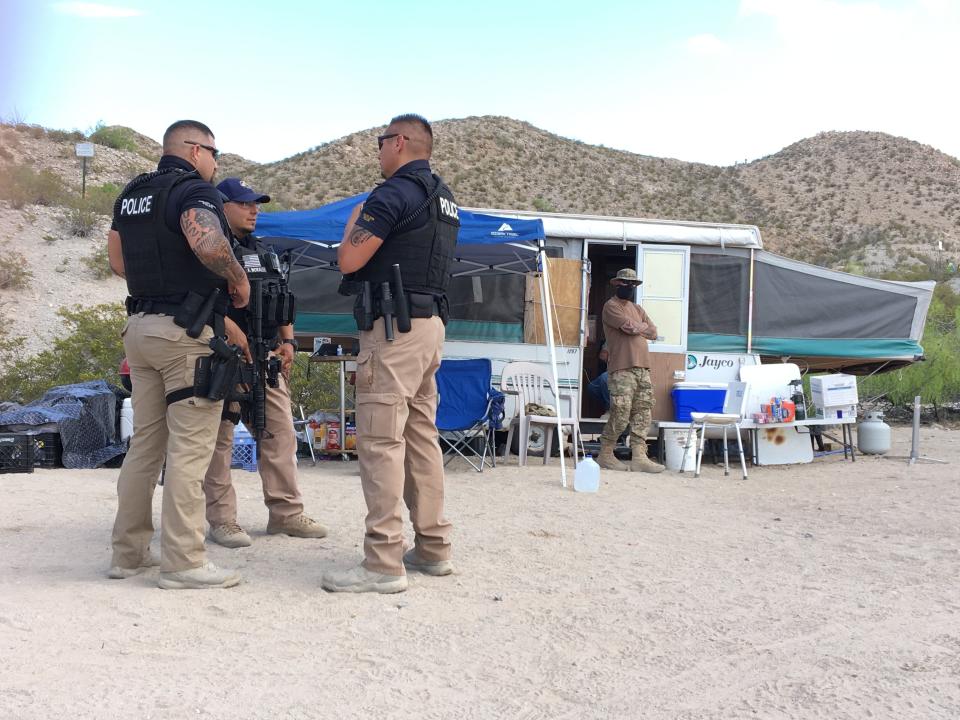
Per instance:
{"type": "Point", "coordinates": [84, 150]}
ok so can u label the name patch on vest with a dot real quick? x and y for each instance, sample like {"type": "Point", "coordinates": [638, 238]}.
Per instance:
{"type": "Point", "coordinates": [449, 209]}
{"type": "Point", "coordinates": [131, 207]}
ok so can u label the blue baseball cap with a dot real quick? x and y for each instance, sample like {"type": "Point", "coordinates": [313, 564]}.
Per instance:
{"type": "Point", "coordinates": [236, 190]}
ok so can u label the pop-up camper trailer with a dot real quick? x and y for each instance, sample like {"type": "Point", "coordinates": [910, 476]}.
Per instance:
{"type": "Point", "coordinates": [718, 299]}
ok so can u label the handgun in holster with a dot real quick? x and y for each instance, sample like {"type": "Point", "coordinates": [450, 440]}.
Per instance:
{"type": "Point", "coordinates": [196, 311]}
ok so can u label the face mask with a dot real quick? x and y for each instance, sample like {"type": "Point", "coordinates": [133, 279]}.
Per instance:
{"type": "Point", "coordinates": [624, 292]}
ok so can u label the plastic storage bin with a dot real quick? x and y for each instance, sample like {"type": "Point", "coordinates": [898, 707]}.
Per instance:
{"type": "Point", "coordinates": [47, 450]}
{"type": "Point", "coordinates": [16, 453]}
{"type": "Point", "coordinates": [244, 450]}
{"type": "Point", "coordinates": [691, 397]}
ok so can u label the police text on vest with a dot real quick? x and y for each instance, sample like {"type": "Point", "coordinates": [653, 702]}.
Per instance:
{"type": "Point", "coordinates": [449, 209]}
{"type": "Point", "coordinates": [136, 206]}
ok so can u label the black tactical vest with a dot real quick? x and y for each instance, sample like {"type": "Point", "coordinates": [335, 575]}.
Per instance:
{"type": "Point", "coordinates": [424, 254]}
{"type": "Point", "coordinates": [268, 287]}
{"type": "Point", "coordinates": [159, 263]}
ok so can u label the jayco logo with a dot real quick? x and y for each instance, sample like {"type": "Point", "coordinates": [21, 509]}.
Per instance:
{"type": "Point", "coordinates": [449, 209]}
{"type": "Point", "coordinates": [714, 363]}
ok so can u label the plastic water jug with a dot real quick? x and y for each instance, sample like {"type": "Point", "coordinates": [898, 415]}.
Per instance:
{"type": "Point", "coordinates": [586, 476]}
{"type": "Point", "coordinates": [126, 419]}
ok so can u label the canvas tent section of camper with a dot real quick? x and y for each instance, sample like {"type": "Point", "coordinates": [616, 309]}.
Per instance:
{"type": "Point", "coordinates": [739, 298]}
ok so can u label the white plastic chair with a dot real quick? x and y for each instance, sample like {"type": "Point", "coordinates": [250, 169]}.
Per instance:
{"type": "Point", "coordinates": [734, 404]}
{"type": "Point", "coordinates": [530, 383]}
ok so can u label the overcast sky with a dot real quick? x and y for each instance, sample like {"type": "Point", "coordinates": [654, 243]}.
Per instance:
{"type": "Point", "coordinates": [714, 81]}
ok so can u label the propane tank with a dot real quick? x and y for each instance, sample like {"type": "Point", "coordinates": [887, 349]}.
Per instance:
{"type": "Point", "coordinates": [873, 434]}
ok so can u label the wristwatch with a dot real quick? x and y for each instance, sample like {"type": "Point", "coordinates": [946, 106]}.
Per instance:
{"type": "Point", "coordinates": [292, 341]}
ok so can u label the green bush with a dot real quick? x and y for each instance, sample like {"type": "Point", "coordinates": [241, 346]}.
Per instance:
{"type": "Point", "coordinates": [22, 185]}
{"type": "Point", "coordinates": [313, 385]}
{"type": "Point", "coordinates": [14, 274]}
{"type": "Point", "coordinates": [89, 348]}
{"type": "Point", "coordinates": [101, 198]}
{"type": "Point", "coordinates": [118, 138]}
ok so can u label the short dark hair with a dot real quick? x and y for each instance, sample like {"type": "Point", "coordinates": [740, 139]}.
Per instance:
{"type": "Point", "coordinates": [420, 120]}
{"type": "Point", "coordinates": [184, 125]}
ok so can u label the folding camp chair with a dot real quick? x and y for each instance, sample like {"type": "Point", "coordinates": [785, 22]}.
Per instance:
{"type": "Point", "coordinates": [734, 404]}
{"type": "Point", "coordinates": [467, 411]}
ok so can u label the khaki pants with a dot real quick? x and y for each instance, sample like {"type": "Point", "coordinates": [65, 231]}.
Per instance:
{"type": "Point", "coordinates": [162, 359]}
{"type": "Point", "coordinates": [277, 464]}
{"type": "Point", "coordinates": [631, 403]}
{"type": "Point", "coordinates": [400, 457]}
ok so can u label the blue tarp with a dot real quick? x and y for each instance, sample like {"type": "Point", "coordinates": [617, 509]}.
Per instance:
{"type": "Point", "coordinates": [85, 415]}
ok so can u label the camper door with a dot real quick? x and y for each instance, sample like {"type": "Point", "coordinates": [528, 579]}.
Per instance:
{"type": "Point", "coordinates": [665, 271]}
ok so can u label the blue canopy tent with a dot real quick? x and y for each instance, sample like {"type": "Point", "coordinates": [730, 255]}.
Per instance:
{"type": "Point", "coordinates": [487, 292]}
{"type": "Point", "coordinates": [486, 296]}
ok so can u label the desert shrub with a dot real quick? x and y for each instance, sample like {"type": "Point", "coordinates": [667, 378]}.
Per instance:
{"type": "Point", "coordinates": [101, 198]}
{"type": "Point", "coordinates": [81, 221]}
{"type": "Point", "coordinates": [22, 185]}
{"type": "Point", "coordinates": [118, 138]}
{"type": "Point", "coordinates": [98, 262]}
{"type": "Point", "coordinates": [89, 348]}
{"type": "Point", "coordinates": [65, 135]}
{"type": "Point", "coordinates": [14, 274]}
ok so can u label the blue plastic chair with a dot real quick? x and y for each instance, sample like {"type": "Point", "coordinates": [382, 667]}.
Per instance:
{"type": "Point", "coordinates": [469, 410]}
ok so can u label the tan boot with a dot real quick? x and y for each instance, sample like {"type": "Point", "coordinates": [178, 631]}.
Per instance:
{"type": "Point", "coordinates": [641, 463]}
{"type": "Point", "coordinates": [606, 459]}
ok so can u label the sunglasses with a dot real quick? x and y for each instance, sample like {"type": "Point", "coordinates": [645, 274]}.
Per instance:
{"type": "Point", "coordinates": [381, 138]}
{"type": "Point", "coordinates": [213, 150]}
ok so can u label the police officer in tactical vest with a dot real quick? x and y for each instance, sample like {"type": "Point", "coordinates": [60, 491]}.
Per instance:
{"type": "Point", "coordinates": [169, 239]}
{"type": "Point", "coordinates": [396, 254]}
{"type": "Point", "coordinates": [278, 441]}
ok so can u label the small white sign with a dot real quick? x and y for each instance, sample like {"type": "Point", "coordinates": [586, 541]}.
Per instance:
{"type": "Point", "coordinates": [84, 149]}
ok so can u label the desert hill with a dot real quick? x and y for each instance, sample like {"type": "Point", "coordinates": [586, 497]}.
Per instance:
{"type": "Point", "coordinates": [863, 201]}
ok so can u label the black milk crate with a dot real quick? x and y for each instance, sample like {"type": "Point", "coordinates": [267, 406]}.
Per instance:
{"type": "Point", "coordinates": [47, 450]}
{"type": "Point", "coordinates": [16, 453]}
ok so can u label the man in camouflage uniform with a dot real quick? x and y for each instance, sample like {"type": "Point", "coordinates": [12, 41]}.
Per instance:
{"type": "Point", "coordinates": [627, 328]}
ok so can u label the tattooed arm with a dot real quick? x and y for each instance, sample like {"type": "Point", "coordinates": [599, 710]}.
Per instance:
{"type": "Point", "coordinates": [358, 245]}
{"type": "Point", "coordinates": [202, 230]}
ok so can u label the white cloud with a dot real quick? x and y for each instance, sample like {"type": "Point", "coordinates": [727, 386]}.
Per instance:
{"type": "Point", "coordinates": [706, 44]}
{"type": "Point", "coordinates": [95, 10]}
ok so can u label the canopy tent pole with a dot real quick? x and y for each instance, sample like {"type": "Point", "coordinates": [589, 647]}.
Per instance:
{"type": "Point", "coordinates": [750, 308]}
{"type": "Point", "coordinates": [548, 328]}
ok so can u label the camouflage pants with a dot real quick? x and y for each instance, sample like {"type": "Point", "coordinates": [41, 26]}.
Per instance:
{"type": "Point", "coordinates": [631, 403]}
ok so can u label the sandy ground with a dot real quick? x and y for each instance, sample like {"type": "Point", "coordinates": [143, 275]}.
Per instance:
{"type": "Point", "coordinates": [826, 590]}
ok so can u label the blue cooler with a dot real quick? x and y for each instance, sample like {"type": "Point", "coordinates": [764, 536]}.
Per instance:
{"type": "Point", "coordinates": [691, 397]}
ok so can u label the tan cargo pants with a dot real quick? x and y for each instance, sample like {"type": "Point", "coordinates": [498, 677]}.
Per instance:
{"type": "Point", "coordinates": [162, 359]}
{"type": "Point", "coordinates": [397, 447]}
{"type": "Point", "coordinates": [277, 464]}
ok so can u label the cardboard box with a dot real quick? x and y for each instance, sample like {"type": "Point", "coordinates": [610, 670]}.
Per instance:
{"type": "Point", "coordinates": [833, 390]}
{"type": "Point", "coordinates": [838, 412]}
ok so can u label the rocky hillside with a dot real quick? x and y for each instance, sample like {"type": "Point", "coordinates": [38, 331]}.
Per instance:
{"type": "Point", "coordinates": [862, 201]}
{"type": "Point", "coordinates": [858, 200]}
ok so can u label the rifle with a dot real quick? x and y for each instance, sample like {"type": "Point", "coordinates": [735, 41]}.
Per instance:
{"type": "Point", "coordinates": [264, 370]}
